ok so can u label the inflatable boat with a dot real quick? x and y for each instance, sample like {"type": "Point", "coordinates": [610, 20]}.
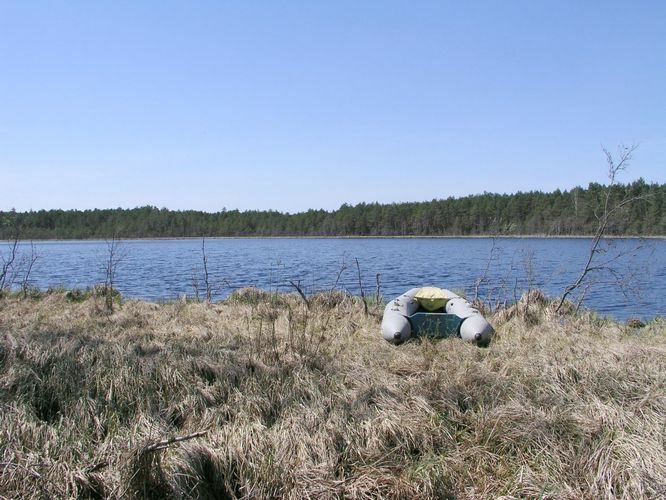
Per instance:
{"type": "Point", "coordinates": [434, 312]}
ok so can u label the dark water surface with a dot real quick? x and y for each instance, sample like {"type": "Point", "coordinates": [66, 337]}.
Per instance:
{"type": "Point", "coordinates": [166, 269]}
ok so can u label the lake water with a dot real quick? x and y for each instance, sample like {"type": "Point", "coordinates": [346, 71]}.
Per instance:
{"type": "Point", "coordinates": [499, 269]}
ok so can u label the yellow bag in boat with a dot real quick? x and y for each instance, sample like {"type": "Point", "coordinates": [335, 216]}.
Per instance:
{"type": "Point", "coordinates": [431, 298]}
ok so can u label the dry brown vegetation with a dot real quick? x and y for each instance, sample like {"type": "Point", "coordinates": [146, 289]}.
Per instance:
{"type": "Point", "coordinates": [263, 397]}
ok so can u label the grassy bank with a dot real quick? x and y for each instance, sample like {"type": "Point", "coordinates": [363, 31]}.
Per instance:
{"type": "Point", "coordinates": [262, 397]}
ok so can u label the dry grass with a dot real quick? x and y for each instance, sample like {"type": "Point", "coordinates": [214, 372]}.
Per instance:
{"type": "Point", "coordinates": [263, 397]}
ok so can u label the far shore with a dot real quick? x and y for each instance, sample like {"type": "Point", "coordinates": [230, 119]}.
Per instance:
{"type": "Point", "coordinates": [356, 237]}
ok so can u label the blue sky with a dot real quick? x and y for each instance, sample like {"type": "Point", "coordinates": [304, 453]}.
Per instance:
{"type": "Point", "coordinates": [294, 105]}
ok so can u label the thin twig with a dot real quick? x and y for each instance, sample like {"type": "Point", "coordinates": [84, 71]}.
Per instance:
{"type": "Point", "coordinates": [209, 290]}
{"type": "Point", "coordinates": [95, 467]}
{"type": "Point", "coordinates": [7, 264]}
{"type": "Point", "coordinates": [484, 277]}
{"type": "Point", "coordinates": [300, 292]}
{"type": "Point", "coordinates": [360, 284]}
{"type": "Point", "coordinates": [160, 445]}
{"type": "Point", "coordinates": [343, 267]}
{"type": "Point", "coordinates": [31, 262]}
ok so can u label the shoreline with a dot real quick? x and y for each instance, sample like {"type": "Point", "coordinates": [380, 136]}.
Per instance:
{"type": "Point", "coordinates": [351, 237]}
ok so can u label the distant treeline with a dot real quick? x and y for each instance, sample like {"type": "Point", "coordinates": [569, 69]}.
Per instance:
{"type": "Point", "coordinates": [560, 213]}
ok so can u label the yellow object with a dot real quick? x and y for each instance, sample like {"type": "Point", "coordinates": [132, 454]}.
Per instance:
{"type": "Point", "coordinates": [431, 298]}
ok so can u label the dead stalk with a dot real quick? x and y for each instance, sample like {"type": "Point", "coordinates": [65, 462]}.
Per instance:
{"type": "Point", "coordinates": [360, 285]}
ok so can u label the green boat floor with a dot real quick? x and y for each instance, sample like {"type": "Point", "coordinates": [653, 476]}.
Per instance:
{"type": "Point", "coordinates": [426, 324]}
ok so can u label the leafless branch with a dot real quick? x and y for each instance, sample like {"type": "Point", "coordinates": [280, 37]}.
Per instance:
{"type": "Point", "coordinates": [114, 255]}
{"type": "Point", "coordinates": [95, 467]}
{"type": "Point", "coordinates": [7, 265]}
{"type": "Point", "coordinates": [160, 445]}
{"type": "Point", "coordinates": [343, 268]}
{"type": "Point", "coordinates": [360, 285]}
{"type": "Point", "coordinates": [484, 277]}
{"type": "Point", "coordinates": [297, 286]}
{"type": "Point", "coordinates": [30, 262]}
{"type": "Point", "coordinates": [608, 211]}
{"type": "Point", "coordinates": [204, 258]}
{"type": "Point", "coordinates": [7, 271]}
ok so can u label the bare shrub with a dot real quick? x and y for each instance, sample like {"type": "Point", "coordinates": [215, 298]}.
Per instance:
{"type": "Point", "coordinates": [597, 264]}
{"type": "Point", "coordinates": [115, 253]}
{"type": "Point", "coordinates": [15, 265]}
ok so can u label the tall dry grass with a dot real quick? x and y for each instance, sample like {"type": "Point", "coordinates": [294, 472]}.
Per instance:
{"type": "Point", "coordinates": [263, 397]}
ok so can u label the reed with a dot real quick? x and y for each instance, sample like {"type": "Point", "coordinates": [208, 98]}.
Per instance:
{"type": "Point", "coordinates": [265, 396]}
